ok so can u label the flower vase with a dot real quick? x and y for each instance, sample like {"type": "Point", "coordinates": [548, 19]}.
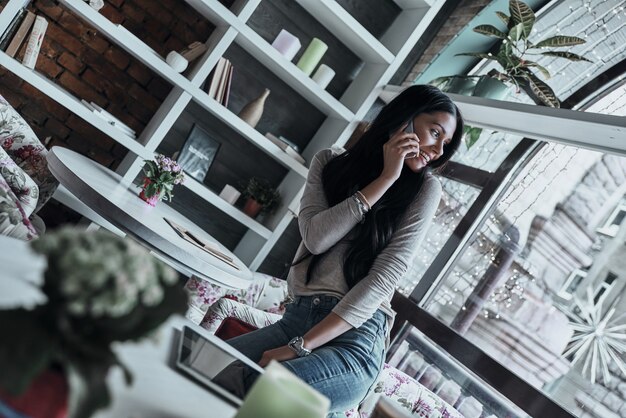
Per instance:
{"type": "Point", "coordinates": [152, 200]}
{"type": "Point", "coordinates": [252, 208]}
{"type": "Point", "coordinates": [46, 397]}
{"type": "Point", "coordinates": [251, 113]}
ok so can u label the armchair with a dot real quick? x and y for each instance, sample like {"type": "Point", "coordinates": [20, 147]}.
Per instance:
{"type": "Point", "coordinates": [26, 184]}
{"type": "Point", "coordinates": [228, 313]}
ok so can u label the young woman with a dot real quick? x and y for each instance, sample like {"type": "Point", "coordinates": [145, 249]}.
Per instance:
{"type": "Point", "coordinates": [362, 216]}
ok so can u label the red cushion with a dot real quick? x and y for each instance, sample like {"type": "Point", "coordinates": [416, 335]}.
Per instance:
{"type": "Point", "coordinates": [233, 327]}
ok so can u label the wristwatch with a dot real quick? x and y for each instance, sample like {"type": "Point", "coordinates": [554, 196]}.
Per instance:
{"type": "Point", "coordinates": [297, 345]}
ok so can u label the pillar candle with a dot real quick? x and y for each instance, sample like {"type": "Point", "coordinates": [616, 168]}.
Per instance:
{"type": "Point", "coordinates": [312, 55]}
{"type": "Point", "coordinates": [286, 44]}
{"type": "Point", "coordinates": [323, 75]}
{"type": "Point", "coordinates": [278, 393]}
{"type": "Point", "coordinates": [230, 194]}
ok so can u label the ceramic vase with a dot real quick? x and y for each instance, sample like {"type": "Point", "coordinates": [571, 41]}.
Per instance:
{"type": "Point", "coordinates": [251, 113]}
{"type": "Point", "coordinates": [152, 200]}
{"type": "Point", "coordinates": [252, 208]}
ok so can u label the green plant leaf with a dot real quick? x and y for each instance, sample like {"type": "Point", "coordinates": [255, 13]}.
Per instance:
{"type": "Point", "coordinates": [504, 18]}
{"type": "Point", "coordinates": [472, 134]}
{"type": "Point", "coordinates": [521, 13]}
{"type": "Point", "coordinates": [477, 55]}
{"type": "Point", "coordinates": [490, 30]}
{"type": "Point", "coordinates": [543, 70]}
{"type": "Point", "coordinates": [542, 91]}
{"type": "Point", "coordinates": [516, 33]}
{"type": "Point", "coordinates": [567, 55]}
{"type": "Point", "coordinates": [560, 41]}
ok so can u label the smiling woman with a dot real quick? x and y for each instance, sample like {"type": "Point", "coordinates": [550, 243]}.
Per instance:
{"type": "Point", "coordinates": [365, 209]}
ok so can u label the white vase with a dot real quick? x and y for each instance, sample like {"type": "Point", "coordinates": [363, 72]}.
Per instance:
{"type": "Point", "coordinates": [251, 113]}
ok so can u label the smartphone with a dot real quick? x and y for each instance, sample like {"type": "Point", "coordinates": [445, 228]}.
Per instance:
{"type": "Point", "coordinates": [409, 130]}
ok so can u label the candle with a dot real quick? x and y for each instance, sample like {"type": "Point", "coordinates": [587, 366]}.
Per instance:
{"type": "Point", "coordinates": [312, 55]}
{"type": "Point", "coordinates": [323, 75]}
{"type": "Point", "coordinates": [278, 393]}
{"type": "Point", "coordinates": [286, 44]}
{"type": "Point", "coordinates": [230, 194]}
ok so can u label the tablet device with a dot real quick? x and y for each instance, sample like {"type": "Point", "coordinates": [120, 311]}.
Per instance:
{"type": "Point", "coordinates": [215, 365]}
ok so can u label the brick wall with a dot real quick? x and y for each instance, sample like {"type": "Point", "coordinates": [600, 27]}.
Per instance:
{"type": "Point", "coordinates": [84, 62]}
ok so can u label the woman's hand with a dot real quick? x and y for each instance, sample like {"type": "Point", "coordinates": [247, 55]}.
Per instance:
{"type": "Point", "coordinates": [283, 353]}
{"type": "Point", "coordinates": [400, 146]}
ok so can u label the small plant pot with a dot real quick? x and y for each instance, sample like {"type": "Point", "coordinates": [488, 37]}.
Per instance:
{"type": "Point", "coordinates": [252, 208]}
{"type": "Point", "coordinates": [152, 200]}
{"type": "Point", "coordinates": [490, 88]}
{"type": "Point", "coordinates": [462, 85]}
{"type": "Point", "coordinates": [46, 397]}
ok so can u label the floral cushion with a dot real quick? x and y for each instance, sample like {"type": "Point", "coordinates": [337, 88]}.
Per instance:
{"type": "Point", "coordinates": [22, 145]}
{"type": "Point", "coordinates": [408, 393]}
{"type": "Point", "coordinates": [266, 293]}
{"type": "Point", "coordinates": [228, 308]}
{"type": "Point", "coordinates": [18, 198]}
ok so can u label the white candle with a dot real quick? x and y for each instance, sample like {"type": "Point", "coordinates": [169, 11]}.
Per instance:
{"type": "Point", "coordinates": [230, 194]}
{"type": "Point", "coordinates": [323, 75]}
{"type": "Point", "coordinates": [287, 44]}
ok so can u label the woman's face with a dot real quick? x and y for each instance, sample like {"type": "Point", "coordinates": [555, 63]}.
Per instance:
{"type": "Point", "coordinates": [433, 130]}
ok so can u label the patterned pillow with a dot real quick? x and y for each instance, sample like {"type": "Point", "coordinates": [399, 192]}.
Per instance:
{"type": "Point", "coordinates": [228, 308]}
{"type": "Point", "coordinates": [13, 220]}
{"type": "Point", "coordinates": [407, 393]}
{"type": "Point", "coordinates": [23, 146]}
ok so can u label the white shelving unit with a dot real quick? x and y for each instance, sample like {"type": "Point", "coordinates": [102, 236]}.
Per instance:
{"type": "Point", "coordinates": [381, 59]}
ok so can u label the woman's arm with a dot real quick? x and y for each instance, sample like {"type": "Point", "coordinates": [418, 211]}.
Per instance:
{"type": "Point", "coordinates": [322, 226]}
{"type": "Point", "coordinates": [360, 303]}
{"type": "Point", "coordinates": [324, 331]}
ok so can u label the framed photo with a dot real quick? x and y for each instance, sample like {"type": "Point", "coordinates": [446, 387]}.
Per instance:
{"type": "Point", "coordinates": [198, 153]}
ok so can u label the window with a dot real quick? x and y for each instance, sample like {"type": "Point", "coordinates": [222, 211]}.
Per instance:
{"type": "Point", "coordinates": [612, 224]}
{"type": "Point", "coordinates": [604, 288]}
{"type": "Point", "coordinates": [571, 284]}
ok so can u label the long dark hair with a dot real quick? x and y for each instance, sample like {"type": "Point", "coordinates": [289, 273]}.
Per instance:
{"type": "Point", "coordinates": [363, 163]}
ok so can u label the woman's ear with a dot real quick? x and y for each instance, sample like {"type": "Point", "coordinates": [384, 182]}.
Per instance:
{"type": "Point", "coordinates": [360, 129]}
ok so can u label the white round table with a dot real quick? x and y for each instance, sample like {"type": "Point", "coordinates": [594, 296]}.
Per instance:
{"type": "Point", "coordinates": [103, 192]}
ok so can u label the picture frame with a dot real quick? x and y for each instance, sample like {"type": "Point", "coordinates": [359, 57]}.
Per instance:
{"type": "Point", "coordinates": [198, 153]}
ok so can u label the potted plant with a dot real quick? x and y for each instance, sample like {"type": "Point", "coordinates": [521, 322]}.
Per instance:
{"type": "Point", "coordinates": [261, 197]}
{"type": "Point", "coordinates": [99, 289]}
{"type": "Point", "coordinates": [513, 54]}
{"type": "Point", "coordinates": [160, 177]}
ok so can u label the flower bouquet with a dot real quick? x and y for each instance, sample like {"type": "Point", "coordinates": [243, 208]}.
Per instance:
{"type": "Point", "coordinates": [161, 175]}
{"type": "Point", "coordinates": [98, 289]}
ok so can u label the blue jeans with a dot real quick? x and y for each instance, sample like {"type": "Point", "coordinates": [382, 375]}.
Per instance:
{"type": "Point", "coordinates": [343, 369]}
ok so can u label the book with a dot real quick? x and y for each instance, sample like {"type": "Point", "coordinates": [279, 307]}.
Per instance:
{"type": "Point", "coordinates": [221, 89]}
{"type": "Point", "coordinates": [109, 118]}
{"type": "Point", "coordinates": [228, 83]}
{"type": "Point", "coordinates": [288, 149]}
{"type": "Point", "coordinates": [8, 34]}
{"type": "Point", "coordinates": [212, 84]}
{"type": "Point", "coordinates": [34, 42]}
{"type": "Point", "coordinates": [208, 247]}
{"type": "Point", "coordinates": [198, 153]}
{"type": "Point", "coordinates": [21, 33]}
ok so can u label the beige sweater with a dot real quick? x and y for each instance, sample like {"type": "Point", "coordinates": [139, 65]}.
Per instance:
{"type": "Point", "coordinates": [326, 229]}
